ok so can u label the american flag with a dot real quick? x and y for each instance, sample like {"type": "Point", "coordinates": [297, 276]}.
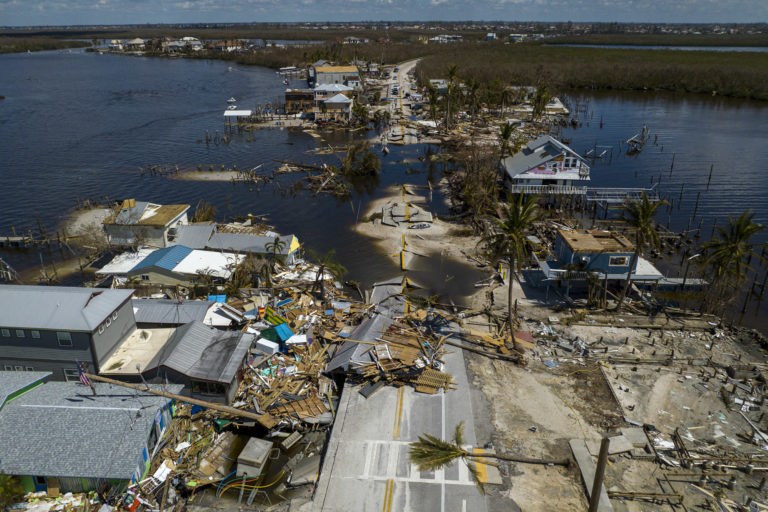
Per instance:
{"type": "Point", "coordinates": [83, 379]}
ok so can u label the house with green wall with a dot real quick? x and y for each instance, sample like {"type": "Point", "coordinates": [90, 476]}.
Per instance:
{"type": "Point", "coordinates": [60, 436]}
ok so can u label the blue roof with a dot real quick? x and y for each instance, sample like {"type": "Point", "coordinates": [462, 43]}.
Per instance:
{"type": "Point", "coordinates": [166, 258]}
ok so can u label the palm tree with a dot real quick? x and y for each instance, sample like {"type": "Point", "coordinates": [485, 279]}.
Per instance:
{"type": "Point", "coordinates": [452, 72]}
{"type": "Point", "coordinates": [430, 453]}
{"type": "Point", "coordinates": [326, 262]}
{"type": "Point", "coordinates": [729, 253]}
{"type": "Point", "coordinates": [274, 253]}
{"type": "Point", "coordinates": [509, 239]}
{"type": "Point", "coordinates": [639, 217]}
{"type": "Point", "coordinates": [540, 101]}
{"type": "Point", "coordinates": [505, 132]}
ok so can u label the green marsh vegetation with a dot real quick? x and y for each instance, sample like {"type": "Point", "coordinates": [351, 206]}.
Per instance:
{"type": "Point", "coordinates": [563, 68]}
{"type": "Point", "coordinates": [36, 44]}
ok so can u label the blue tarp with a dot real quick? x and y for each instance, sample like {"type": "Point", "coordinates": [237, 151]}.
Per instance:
{"type": "Point", "coordinates": [283, 302]}
{"type": "Point", "coordinates": [283, 331]}
{"type": "Point", "coordinates": [218, 298]}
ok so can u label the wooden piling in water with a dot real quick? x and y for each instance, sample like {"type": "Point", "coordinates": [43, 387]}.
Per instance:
{"type": "Point", "coordinates": [711, 167]}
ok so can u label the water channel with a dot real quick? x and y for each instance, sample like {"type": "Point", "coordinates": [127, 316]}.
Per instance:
{"type": "Point", "coordinates": [79, 125]}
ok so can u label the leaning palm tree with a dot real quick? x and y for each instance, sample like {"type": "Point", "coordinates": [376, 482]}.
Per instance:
{"type": "Point", "coordinates": [639, 217]}
{"type": "Point", "coordinates": [729, 253]}
{"type": "Point", "coordinates": [509, 239]}
{"type": "Point", "coordinates": [326, 262]}
{"type": "Point", "coordinates": [430, 453]}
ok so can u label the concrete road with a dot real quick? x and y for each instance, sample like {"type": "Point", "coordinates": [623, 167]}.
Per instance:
{"type": "Point", "coordinates": [366, 466]}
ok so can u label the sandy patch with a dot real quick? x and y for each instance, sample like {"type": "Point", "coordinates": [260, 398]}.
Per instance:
{"type": "Point", "coordinates": [441, 238]}
{"type": "Point", "coordinates": [83, 220]}
{"type": "Point", "coordinates": [210, 176]}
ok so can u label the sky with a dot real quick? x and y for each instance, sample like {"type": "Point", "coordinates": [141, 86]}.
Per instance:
{"type": "Point", "coordinates": [88, 12]}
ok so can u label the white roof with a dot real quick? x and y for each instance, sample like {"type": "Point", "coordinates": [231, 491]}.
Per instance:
{"type": "Point", "coordinates": [219, 264]}
{"type": "Point", "coordinates": [333, 87]}
{"type": "Point", "coordinates": [339, 98]}
{"type": "Point", "coordinates": [238, 113]}
{"type": "Point", "coordinates": [122, 263]}
{"type": "Point", "coordinates": [646, 268]}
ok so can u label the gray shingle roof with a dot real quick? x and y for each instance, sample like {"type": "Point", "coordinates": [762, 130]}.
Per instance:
{"type": "Point", "coordinates": [531, 157]}
{"type": "Point", "coordinates": [60, 308]}
{"type": "Point", "coordinates": [169, 312]}
{"type": "Point", "coordinates": [68, 432]}
{"type": "Point", "coordinates": [204, 353]}
{"type": "Point", "coordinates": [11, 382]}
{"type": "Point", "coordinates": [248, 243]}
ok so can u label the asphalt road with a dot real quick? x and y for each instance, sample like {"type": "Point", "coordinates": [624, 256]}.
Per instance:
{"type": "Point", "coordinates": [367, 466]}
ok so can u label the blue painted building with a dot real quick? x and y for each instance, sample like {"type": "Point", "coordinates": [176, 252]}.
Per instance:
{"type": "Point", "coordinates": [605, 254]}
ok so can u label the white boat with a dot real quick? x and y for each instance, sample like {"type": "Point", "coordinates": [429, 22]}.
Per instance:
{"type": "Point", "coordinates": [423, 225]}
{"type": "Point", "coordinates": [285, 82]}
{"type": "Point", "coordinates": [231, 100]}
{"type": "Point", "coordinates": [232, 107]}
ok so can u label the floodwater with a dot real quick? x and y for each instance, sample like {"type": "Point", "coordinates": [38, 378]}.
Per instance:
{"type": "Point", "coordinates": [699, 134]}
{"type": "Point", "coordinates": [77, 125]}
{"type": "Point", "coordinates": [751, 49]}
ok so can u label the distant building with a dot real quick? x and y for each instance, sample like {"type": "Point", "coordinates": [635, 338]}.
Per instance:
{"type": "Point", "coordinates": [143, 223]}
{"type": "Point", "coordinates": [135, 44]}
{"type": "Point", "coordinates": [53, 328]}
{"type": "Point", "coordinates": [327, 91]}
{"type": "Point", "coordinates": [116, 45]}
{"type": "Point", "coordinates": [58, 437]}
{"type": "Point", "coordinates": [440, 85]}
{"type": "Point", "coordinates": [544, 161]}
{"type": "Point", "coordinates": [490, 36]}
{"type": "Point", "coordinates": [337, 108]}
{"type": "Point", "coordinates": [336, 74]}
{"type": "Point", "coordinates": [299, 100]}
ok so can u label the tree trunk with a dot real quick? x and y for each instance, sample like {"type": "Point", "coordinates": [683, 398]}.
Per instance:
{"type": "Point", "coordinates": [628, 280]}
{"type": "Point", "coordinates": [512, 458]}
{"type": "Point", "coordinates": [511, 315]}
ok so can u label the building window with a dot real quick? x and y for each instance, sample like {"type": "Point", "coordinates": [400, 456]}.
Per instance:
{"type": "Point", "coordinates": [35, 334]}
{"type": "Point", "coordinates": [19, 368]}
{"type": "Point", "coordinates": [108, 322]}
{"type": "Point", "coordinates": [19, 333]}
{"type": "Point", "coordinates": [101, 329]}
{"type": "Point", "coordinates": [65, 339]}
{"type": "Point", "coordinates": [8, 368]}
{"type": "Point", "coordinates": [145, 277]}
{"type": "Point", "coordinates": [114, 315]}
{"type": "Point", "coordinates": [6, 333]}
{"type": "Point", "coordinates": [618, 261]}
{"type": "Point", "coordinates": [72, 375]}
{"type": "Point", "coordinates": [30, 368]}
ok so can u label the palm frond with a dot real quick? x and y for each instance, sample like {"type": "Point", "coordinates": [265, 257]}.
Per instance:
{"type": "Point", "coordinates": [458, 436]}
{"type": "Point", "coordinates": [430, 453]}
{"type": "Point", "coordinates": [475, 475]}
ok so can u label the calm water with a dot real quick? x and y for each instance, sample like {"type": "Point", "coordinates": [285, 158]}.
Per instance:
{"type": "Point", "coordinates": [81, 124]}
{"type": "Point", "coordinates": [700, 133]}
{"type": "Point", "coordinates": [758, 49]}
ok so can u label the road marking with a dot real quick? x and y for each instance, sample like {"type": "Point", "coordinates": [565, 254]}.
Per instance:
{"type": "Point", "coordinates": [398, 412]}
{"type": "Point", "coordinates": [482, 471]}
{"type": "Point", "coordinates": [463, 505]}
{"type": "Point", "coordinates": [388, 490]}
{"type": "Point", "coordinates": [442, 470]}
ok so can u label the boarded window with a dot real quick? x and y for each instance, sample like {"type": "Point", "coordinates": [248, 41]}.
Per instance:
{"type": "Point", "coordinates": [19, 333]}
{"type": "Point", "coordinates": [35, 334]}
{"type": "Point", "coordinates": [6, 333]}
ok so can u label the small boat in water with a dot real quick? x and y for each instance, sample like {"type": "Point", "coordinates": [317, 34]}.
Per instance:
{"type": "Point", "coordinates": [285, 82]}
{"type": "Point", "coordinates": [231, 100]}
{"type": "Point", "coordinates": [232, 107]}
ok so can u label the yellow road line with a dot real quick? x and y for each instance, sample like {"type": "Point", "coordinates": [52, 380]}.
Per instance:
{"type": "Point", "coordinates": [388, 491]}
{"type": "Point", "coordinates": [398, 412]}
{"type": "Point", "coordinates": [482, 470]}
